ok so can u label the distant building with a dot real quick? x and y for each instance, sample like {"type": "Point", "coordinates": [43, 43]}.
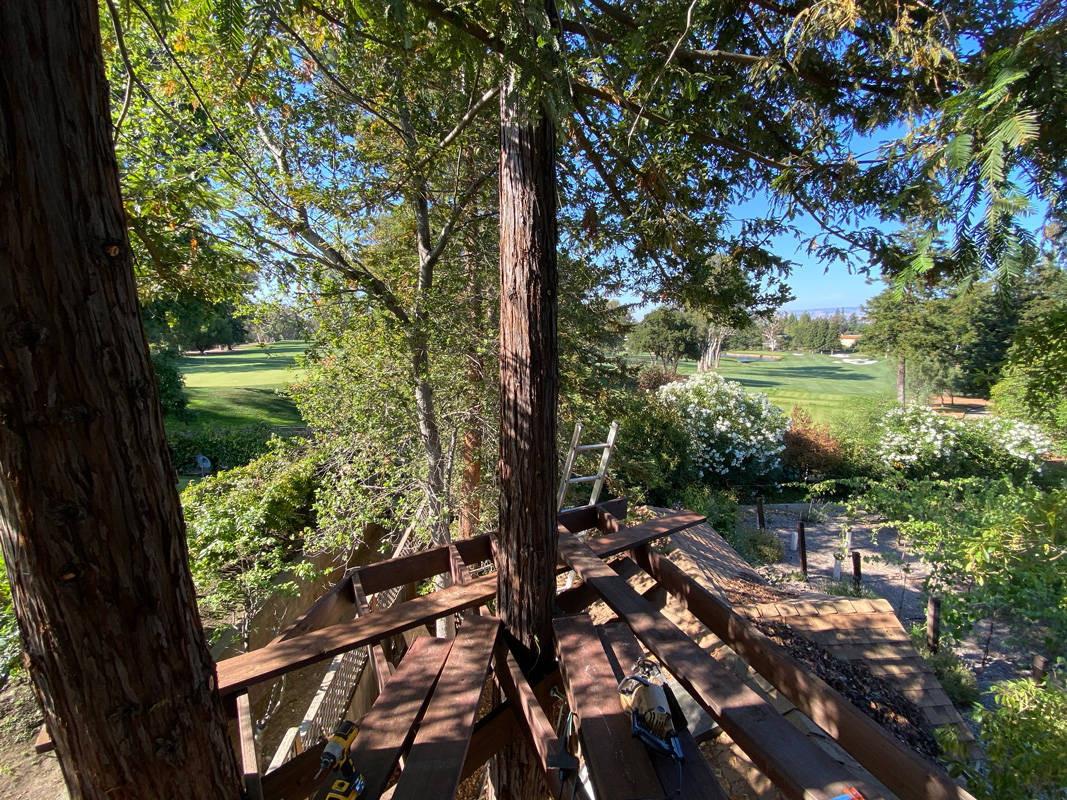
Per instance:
{"type": "Point", "coordinates": [848, 340]}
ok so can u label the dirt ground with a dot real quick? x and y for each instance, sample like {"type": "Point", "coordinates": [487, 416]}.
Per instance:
{"type": "Point", "coordinates": [23, 773]}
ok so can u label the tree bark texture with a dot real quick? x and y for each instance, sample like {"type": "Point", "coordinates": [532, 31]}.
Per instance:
{"type": "Point", "coordinates": [529, 379]}
{"type": "Point", "coordinates": [470, 511]}
{"type": "Point", "coordinates": [90, 522]}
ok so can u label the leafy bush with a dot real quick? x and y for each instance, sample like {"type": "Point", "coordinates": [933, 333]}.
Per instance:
{"type": "Point", "coordinates": [959, 683]}
{"type": "Point", "coordinates": [1025, 743]}
{"type": "Point", "coordinates": [810, 449]}
{"type": "Point", "coordinates": [10, 646]}
{"type": "Point", "coordinates": [995, 550]}
{"type": "Point", "coordinates": [170, 382]}
{"type": "Point", "coordinates": [734, 436]}
{"type": "Point", "coordinates": [225, 447]}
{"type": "Point", "coordinates": [651, 461]}
{"type": "Point", "coordinates": [918, 442]}
{"type": "Point", "coordinates": [755, 546]}
{"type": "Point", "coordinates": [245, 526]}
{"type": "Point", "coordinates": [719, 506]}
{"type": "Point", "coordinates": [653, 376]}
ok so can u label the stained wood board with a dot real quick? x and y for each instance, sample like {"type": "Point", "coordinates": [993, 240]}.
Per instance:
{"type": "Point", "coordinates": [435, 762]}
{"type": "Point", "coordinates": [697, 780]}
{"type": "Point", "coordinates": [618, 764]}
{"type": "Point", "coordinates": [796, 766]}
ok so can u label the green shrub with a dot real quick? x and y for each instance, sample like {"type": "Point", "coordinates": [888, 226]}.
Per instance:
{"type": "Point", "coordinates": [718, 505]}
{"type": "Point", "coordinates": [170, 382]}
{"type": "Point", "coordinates": [651, 461]}
{"type": "Point", "coordinates": [959, 683]}
{"type": "Point", "coordinates": [755, 546]}
{"type": "Point", "coordinates": [245, 526]}
{"type": "Point", "coordinates": [225, 447]}
{"type": "Point", "coordinates": [1025, 742]}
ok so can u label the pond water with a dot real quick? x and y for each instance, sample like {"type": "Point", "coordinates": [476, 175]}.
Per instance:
{"type": "Point", "coordinates": [743, 359]}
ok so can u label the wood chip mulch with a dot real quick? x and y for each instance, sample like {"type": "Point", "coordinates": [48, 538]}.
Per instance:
{"type": "Point", "coordinates": [875, 696]}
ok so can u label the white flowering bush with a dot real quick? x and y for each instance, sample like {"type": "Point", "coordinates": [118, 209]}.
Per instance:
{"type": "Point", "coordinates": [919, 442]}
{"type": "Point", "coordinates": [733, 435]}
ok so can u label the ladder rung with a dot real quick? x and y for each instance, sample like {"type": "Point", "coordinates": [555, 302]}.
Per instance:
{"type": "Point", "coordinates": [586, 479]}
{"type": "Point", "coordinates": [593, 446]}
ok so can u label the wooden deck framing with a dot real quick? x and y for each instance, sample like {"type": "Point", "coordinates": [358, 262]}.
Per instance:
{"type": "Point", "coordinates": [425, 717]}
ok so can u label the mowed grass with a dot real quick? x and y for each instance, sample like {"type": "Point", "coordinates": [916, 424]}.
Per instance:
{"type": "Point", "coordinates": [239, 387]}
{"type": "Point", "coordinates": [821, 385]}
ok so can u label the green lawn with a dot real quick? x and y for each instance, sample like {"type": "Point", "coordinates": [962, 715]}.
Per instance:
{"type": "Point", "coordinates": [822, 385]}
{"type": "Point", "coordinates": [239, 387]}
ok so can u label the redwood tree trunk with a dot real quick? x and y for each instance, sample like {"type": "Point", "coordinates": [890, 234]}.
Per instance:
{"type": "Point", "coordinates": [529, 386]}
{"type": "Point", "coordinates": [90, 522]}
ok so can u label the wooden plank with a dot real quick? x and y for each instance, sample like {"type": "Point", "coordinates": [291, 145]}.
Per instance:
{"type": "Point", "coordinates": [43, 743]}
{"type": "Point", "coordinates": [389, 727]}
{"type": "Point", "coordinates": [295, 779]}
{"type": "Point", "coordinates": [420, 566]}
{"type": "Point", "coordinates": [337, 605]}
{"type": "Point", "coordinates": [491, 733]}
{"type": "Point", "coordinates": [618, 764]}
{"type": "Point", "coordinates": [697, 780]}
{"type": "Point", "coordinates": [436, 759]}
{"type": "Point", "coordinates": [268, 662]}
{"type": "Point", "coordinates": [576, 520]}
{"type": "Point", "coordinates": [627, 538]}
{"type": "Point", "coordinates": [793, 763]}
{"type": "Point", "coordinates": [903, 771]}
{"type": "Point", "coordinates": [249, 759]}
{"type": "Point", "coordinates": [456, 566]}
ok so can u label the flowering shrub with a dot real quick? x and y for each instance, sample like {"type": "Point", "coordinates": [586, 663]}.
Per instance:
{"type": "Point", "coordinates": [918, 441]}
{"type": "Point", "coordinates": [733, 435]}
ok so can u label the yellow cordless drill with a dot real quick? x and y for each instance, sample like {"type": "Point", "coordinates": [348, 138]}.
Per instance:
{"type": "Point", "coordinates": [346, 782]}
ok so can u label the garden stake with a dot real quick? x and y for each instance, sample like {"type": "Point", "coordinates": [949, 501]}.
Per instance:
{"type": "Point", "coordinates": [803, 550]}
{"type": "Point", "coordinates": [857, 574]}
{"type": "Point", "coordinates": [933, 624]}
{"type": "Point", "coordinates": [759, 514]}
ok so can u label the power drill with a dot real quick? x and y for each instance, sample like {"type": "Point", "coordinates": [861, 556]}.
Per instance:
{"type": "Point", "coordinates": [348, 782]}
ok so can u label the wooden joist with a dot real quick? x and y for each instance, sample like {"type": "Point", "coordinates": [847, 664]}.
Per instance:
{"type": "Point", "coordinates": [796, 765]}
{"type": "Point", "coordinates": [903, 771]}
{"type": "Point", "coordinates": [435, 762]}
{"type": "Point", "coordinates": [249, 758]}
{"type": "Point", "coordinates": [618, 764]}
{"type": "Point", "coordinates": [278, 658]}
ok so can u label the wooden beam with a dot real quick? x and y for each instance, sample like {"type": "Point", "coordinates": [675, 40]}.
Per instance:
{"type": "Point", "coordinates": [618, 764]}
{"type": "Point", "coordinates": [247, 738]}
{"type": "Point", "coordinates": [337, 605]}
{"type": "Point", "coordinates": [697, 780]}
{"type": "Point", "coordinates": [388, 728]}
{"type": "Point", "coordinates": [904, 772]}
{"type": "Point", "coordinates": [435, 763]}
{"type": "Point", "coordinates": [491, 733]}
{"type": "Point", "coordinates": [420, 566]}
{"type": "Point", "coordinates": [796, 765]}
{"type": "Point", "coordinates": [576, 520]}
{"type": "Point", "coordinates": [296, 777]}
{"type": "Point", "coordinates": [531, 717]}
{"type": "Point", "coordinates": [268, 662]}
{"type": "Point", "coordinates": [278, 658]}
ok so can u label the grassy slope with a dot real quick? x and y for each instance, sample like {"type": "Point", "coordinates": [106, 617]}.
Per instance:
{"type": "Point", "coordinates": [238, 387]}
{"type": "Point", "coordinates": [822, 385]}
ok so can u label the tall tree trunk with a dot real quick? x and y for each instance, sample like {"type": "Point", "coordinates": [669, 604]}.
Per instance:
{"type": "Point", "coordinates": [471, 480]}
{"type": "Point", "coordinates": [902, 390]}
{"type": "Point", "coordinates": [529, 388]}
{"type": "Point", "coordinates": [90, 522]}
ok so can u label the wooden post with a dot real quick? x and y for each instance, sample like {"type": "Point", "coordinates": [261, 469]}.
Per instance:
{"type": "Point", "coordinates": [1040, 668]}
{"type": "Point", "coordinates": [857, 572]}
{"type": "Point", "coordinates": [802, 544]}
{"type": "Point", "coordinates": [759, 514]}
{"type": "Point", "coordinates": [933, 624]}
